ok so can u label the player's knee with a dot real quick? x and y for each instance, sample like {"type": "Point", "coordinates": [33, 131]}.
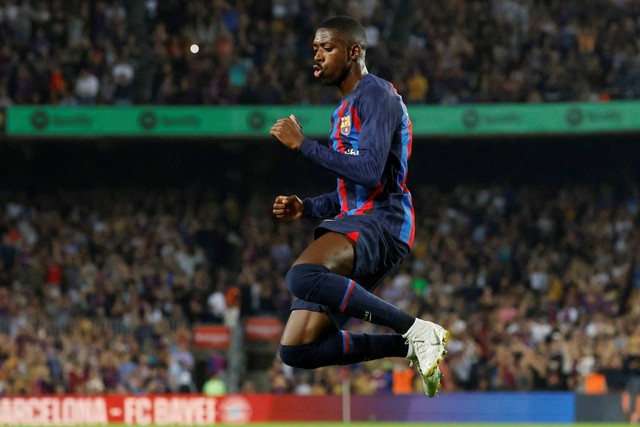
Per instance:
{"type": "Point", "coordinates": [299, 356]}
{"type": "Point", "coordinates": [303, 279]}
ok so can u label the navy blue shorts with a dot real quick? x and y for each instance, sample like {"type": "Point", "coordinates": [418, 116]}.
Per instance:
{"type": "Point", "coordinates": [378, 253]}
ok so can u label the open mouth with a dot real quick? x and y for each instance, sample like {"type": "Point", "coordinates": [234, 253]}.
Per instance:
{"type": "Point", "coordinates": [317, 71]}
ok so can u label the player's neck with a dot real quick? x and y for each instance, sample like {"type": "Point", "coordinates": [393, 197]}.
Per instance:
{"type": "Point", "coordinates": [351, 81]}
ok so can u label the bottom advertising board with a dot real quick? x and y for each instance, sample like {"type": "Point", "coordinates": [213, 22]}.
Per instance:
{"type": "Point", "coordinates": [196, 410]}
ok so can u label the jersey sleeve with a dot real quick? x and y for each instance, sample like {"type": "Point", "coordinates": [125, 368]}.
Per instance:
{"type": "Point", "coordinates": [376, 132]}
{"type": "Point", "coordinates": [321, 207]}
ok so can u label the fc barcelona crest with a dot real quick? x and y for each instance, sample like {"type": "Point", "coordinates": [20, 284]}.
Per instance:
{"type": "Point", "coordinates": [345, 125]}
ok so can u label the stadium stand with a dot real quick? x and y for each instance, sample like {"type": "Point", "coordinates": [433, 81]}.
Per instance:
{"type": "Point", "coordinates": [252, 51]}
{"type": "Point", "coordinates": [100, 282]}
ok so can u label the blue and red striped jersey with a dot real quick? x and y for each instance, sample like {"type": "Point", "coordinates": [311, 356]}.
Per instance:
{"type": "Point", "coordinates": [369, 149]}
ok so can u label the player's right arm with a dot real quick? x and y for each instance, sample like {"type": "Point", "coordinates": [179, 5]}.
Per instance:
{"type": "Point", "coordinates": [380, 114]}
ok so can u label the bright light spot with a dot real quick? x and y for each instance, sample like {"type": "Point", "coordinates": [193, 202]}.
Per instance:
{"type": "Point", "coordinates": [194, 48]}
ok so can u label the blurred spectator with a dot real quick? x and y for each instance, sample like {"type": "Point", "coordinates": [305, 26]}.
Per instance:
{"type": "Point", "coordinates": [417, 87]}
{"type": "Point", "coordinates": [402, 380]}
{"type": "Point", "coordinates": [123, 75]}
{"type": "Point", "coordinates": [214, 386]}
{"type": "Point", "coordinates": [87, 88]}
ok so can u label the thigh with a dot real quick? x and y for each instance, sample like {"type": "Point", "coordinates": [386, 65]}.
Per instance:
{"type": "Point", "coordinates": [375, 251]}
{"type": "Point", "coordinates": [334, 250]}
{"type": "Point", "coordinates": [304, 327]}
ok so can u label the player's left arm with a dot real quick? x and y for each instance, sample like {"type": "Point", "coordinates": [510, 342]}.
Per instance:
{"type": "Point", "coordinates": [378, 121]}
{"type": "Point", "coordinates": [321, 207]}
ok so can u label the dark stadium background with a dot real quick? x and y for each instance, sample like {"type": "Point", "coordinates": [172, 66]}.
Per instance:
{"type": "Point", "coordinates": [234, 165]}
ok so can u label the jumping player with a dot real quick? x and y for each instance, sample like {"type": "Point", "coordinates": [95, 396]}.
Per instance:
{"type": "Point", "coordinates": [368, 225]}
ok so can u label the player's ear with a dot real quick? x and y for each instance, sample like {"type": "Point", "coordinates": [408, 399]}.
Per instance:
{"type": "Point", "coordinates": [355, 52]}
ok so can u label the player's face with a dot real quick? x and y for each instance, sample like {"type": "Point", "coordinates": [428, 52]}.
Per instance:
{"type": "Point", "coordinates": [332, 61]}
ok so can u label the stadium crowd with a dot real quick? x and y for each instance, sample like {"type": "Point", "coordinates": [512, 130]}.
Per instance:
{"type": "Point", "coordinates": [98, 288]}
{"type": "Point", "coordinates": [79, 52]}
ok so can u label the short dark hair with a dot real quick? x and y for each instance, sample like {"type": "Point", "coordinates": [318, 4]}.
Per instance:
{"type": "Point", "coordinates": [348, 28]}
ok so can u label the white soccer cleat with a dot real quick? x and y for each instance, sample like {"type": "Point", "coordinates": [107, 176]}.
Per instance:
{"type": "Point", "coordinates": [430, 385]}
{"type": "Point", "coordinates": [428, 341]}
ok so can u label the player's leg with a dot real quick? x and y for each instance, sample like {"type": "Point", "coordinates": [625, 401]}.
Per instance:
{"type": "Point", "coordinates": [307, 326]}
{"type": "Point", "coordinates": [322, 275]}
{"type": "Point", "coordinates": [311, 340]}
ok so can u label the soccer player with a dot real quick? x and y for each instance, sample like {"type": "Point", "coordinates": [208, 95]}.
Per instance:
{"type": "Point", "coordinates": [368, 225]}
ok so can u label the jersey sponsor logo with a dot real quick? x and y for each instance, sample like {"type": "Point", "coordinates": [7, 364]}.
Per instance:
{"type": "Point", "coordinates": [351, 151]}
{"type": "Point", "coordinates": [345, 125]}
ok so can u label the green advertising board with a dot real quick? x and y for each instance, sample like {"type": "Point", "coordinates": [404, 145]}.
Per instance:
{"type": "Point", "coordinates": [255, 121]}
{"type": "Point", "coordinates": [527, 119]}
{"type": "Point", "coordinates": [158, 121]}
